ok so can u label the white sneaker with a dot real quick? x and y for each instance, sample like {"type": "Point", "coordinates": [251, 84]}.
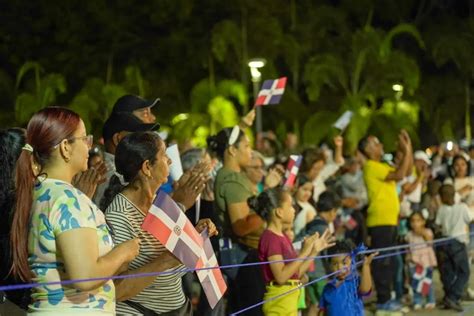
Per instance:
{"type": "Point", "coordinates": [470, 293]}
{"type": "Point", "coordinates": [430, 306]}
{"type": "Point", "coordinates": [417, 307]}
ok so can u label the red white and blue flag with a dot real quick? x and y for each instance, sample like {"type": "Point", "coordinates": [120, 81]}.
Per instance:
{"type": "Point", "coordinates": [211, 280]}
{"type": "Point", "coordinates": [292, 170]}
{"type": "Point", "coordinates": [271, 92]}
{"type": "Point", "coordinates": [172, 228]}
{"type": "Point", "coordinates": [422, 279]}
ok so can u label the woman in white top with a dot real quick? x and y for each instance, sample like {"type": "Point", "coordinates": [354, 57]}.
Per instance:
{"type": "Point", "coordinates": [306, 211]}
{"type": "Point", "coordinates": [463, 183]}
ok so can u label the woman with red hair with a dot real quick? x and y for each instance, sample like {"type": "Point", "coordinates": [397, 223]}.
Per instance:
{"type": "Point", "coordinates": [58, 233]}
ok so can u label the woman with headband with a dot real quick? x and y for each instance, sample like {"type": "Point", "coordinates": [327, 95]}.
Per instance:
{"type": "Point", "coordinates": [242, 226]}
{"type": "Point", "coordinates": [58, 233]}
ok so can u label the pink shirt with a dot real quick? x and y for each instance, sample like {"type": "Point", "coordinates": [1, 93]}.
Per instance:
{"type": "Point", "coordinates": [421, 254]}
{"type": "Point", "coordinates": [272, 244]}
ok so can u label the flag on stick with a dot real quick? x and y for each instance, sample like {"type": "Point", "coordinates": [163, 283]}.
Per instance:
{"type": "Point", "coordinates": [271, 92]}
{"type": "Point", "coordinates": [211, 280]}
{"type": "Point", "coordinates": [292, 170]}
{"type": "Point", "coordinates": [172, 228]}
{"type": "Point", "coordinates": [343, 121]}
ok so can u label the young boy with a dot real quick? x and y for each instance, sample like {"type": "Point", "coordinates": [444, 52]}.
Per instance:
{"type": "Point", "coordinates": [343, 294]}
{"type": "Point", "coordinates": [327, 206]}
{"type": "Point", "coordinates": [454, 220]}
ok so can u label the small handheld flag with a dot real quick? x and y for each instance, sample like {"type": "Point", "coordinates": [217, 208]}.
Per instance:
{"type": "Point", "coordinates": [343, 121]}
{"type": "Point", "coordinates": [211, 280]}
{"type": "Point", "coordinates": [292, 170]}
{"type": "Point", "coordinates": [271, 92]}
{"type": "Point", "coordinates": [172, 228]}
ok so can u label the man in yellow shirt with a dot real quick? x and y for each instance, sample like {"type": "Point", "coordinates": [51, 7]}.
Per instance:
{"type": "Point", "coordinates": [384, 208]}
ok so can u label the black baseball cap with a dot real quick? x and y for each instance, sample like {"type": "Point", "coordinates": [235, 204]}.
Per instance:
{"type": "Point", "coordinates": [118, 122]}
{"type": "Point", "coordinates": [129, 103]}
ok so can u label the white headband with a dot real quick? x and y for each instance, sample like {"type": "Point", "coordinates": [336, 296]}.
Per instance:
{"type": "Point", "coordinates": [234, 135]}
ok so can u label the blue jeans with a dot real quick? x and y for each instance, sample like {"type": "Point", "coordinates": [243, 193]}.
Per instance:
{"type": "Point", "coordinates": [398, 283]}
{"type": "Point", "coordinates": [418, 297]}
{"type": "Point", "coordinates": [454, 269]}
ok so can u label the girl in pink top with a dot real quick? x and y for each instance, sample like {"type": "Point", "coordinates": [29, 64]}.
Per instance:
{"type": "Point", "coordinates": [275, 205]}
{"type": "Point", "coordinates": [421, 261]}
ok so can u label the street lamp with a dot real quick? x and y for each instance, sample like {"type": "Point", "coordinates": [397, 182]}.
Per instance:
{"type": "Point", "coordinates": [398, 88]}
{"type": "Point", "coordinates": [255, 64]}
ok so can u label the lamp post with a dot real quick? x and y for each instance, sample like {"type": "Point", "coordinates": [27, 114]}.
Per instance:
{"type": "Point", "coordinates": [255, 64]}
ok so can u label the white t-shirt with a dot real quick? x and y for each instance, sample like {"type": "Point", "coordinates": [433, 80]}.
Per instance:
{"type": "Point", "coordinates": [454, 221]}
{"type": "Point", "coordinates": [328, 170]}
{"type": "Point", "coordinates": [300, 220]}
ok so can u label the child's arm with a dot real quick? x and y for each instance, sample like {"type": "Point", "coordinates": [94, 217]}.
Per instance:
{"type": "Point", "coordinates": [322, 243]}
{"type": "Point", "coordinates": [366, 278]}
{"type": "Point", "coordinates": [282, 272]}
{"type": "Point", "coordinates": [427, 234]}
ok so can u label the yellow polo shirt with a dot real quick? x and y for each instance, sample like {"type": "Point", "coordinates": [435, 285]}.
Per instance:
{"type": "Point", "coordinates": [384, 206]}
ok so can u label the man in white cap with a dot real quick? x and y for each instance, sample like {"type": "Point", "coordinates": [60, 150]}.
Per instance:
{"type": "Point", "coordinates": [413, 185]}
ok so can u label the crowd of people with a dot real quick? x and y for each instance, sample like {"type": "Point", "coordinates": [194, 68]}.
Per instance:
{"type": "Point", "coordinates": [75, 210]}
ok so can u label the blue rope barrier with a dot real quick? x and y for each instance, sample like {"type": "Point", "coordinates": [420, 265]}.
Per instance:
{"type": "Point", "coordinates": [233, 266]}
{"type": "Point", "coordinates": [437, 242]}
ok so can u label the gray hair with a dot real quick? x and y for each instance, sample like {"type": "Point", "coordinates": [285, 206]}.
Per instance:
{"type": "Point", "coordinates": [191, 157]}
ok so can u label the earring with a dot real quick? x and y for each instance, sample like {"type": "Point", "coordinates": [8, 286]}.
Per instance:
{"type": "Point", "coordinates": [66, 159]}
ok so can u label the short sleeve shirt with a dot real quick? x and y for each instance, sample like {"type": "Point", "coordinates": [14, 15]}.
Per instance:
{"type": "Point", "coordinates": [342, 299]}
{"type": "Point", "coordinates": [272, 244]}
{"type": "Point", "coordinates": [421, 254]}
{"type": "Point", "coordinates": [233, 187]}
{"type": "Point", "coordinates": [454, 221]}
{"type": "Point", "coordinates": [384, 206]}
{"type": "Point", "coordinates": [58, 207]}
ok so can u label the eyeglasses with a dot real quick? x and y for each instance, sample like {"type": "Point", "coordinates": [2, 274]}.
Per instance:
{"type": "Point", "coordinates": [88, 139]}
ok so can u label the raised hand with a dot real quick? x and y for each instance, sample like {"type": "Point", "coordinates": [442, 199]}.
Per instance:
{"type": "Point", "coordinates": [191, 184]}
{"type": "Point", "coordinates": [274, 177]}
{"type": "Point", "coordinates": [368, 259]}
{"type": "Point", "coordinates": [248, 119]}
{"type": "Point", "coordinates": [338, 141]}
{"type": "Point", "coordinates": [325, 241]}
{"type": "Point", "coordinates": [88, 180]}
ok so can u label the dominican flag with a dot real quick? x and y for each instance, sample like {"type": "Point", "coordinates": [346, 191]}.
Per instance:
{"type": "Point", "coordinates": [422, 279]}
{"type": "Point", "coordinates": [292, 170]}
{"type": "Point", "coordinates": [271, 92]}
{"type": "Point", "coordinates": [172, 228]}
{"type": "Point", "coordinates": [211, 280]}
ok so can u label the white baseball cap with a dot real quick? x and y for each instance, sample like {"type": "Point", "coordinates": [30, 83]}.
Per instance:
{"type": "Point", "coordinates": [421, 155]}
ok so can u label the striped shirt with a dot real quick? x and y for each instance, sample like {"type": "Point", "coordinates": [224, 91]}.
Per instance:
{"type": "Point", "coordinates": [165, 293]}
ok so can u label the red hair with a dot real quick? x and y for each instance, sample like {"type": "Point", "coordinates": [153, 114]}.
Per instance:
{"type": "Point", "coordinates": [46, 129]}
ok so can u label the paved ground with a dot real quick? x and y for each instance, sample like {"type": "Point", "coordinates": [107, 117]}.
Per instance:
{"type": "Point", "coordinates": [468, 306]}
